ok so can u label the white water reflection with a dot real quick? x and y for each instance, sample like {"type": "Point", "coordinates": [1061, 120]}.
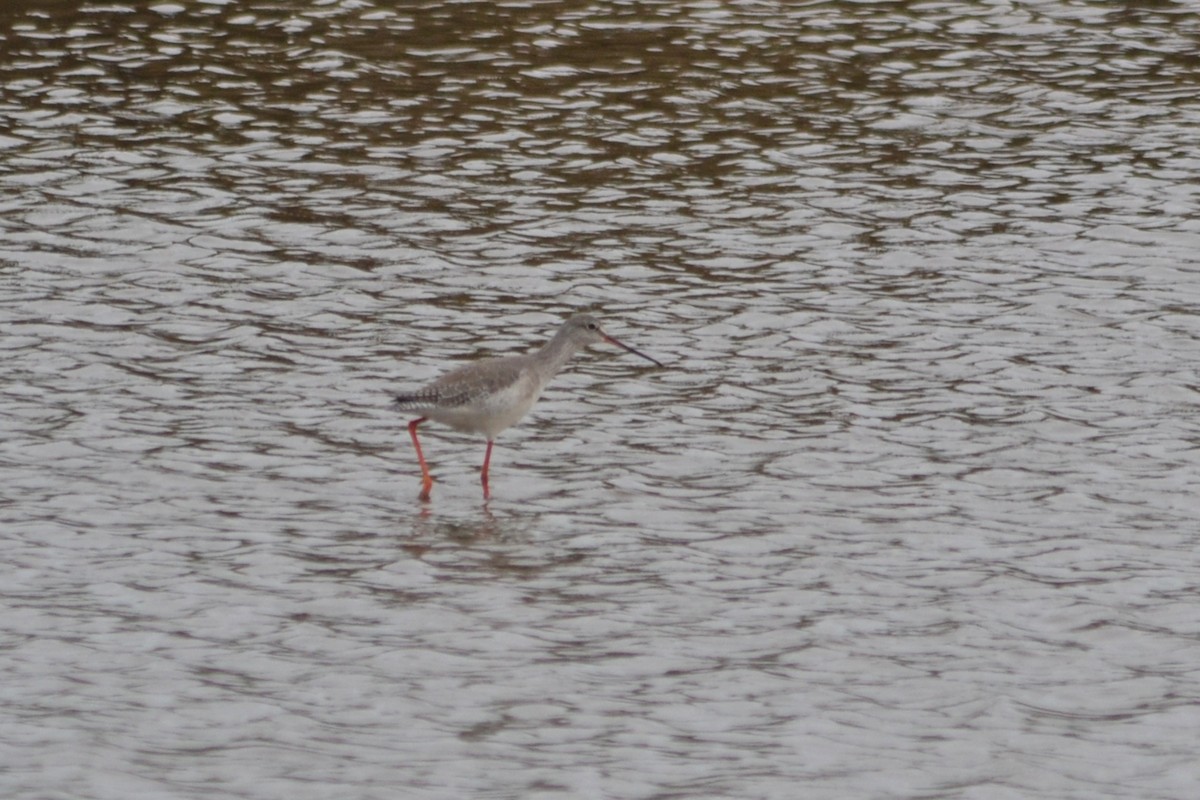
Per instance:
{"type": "Point", "coordinates": [910, 513]}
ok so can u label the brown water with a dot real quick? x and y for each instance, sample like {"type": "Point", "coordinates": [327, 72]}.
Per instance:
{"type": "Point", "coordinates": [911, 512]}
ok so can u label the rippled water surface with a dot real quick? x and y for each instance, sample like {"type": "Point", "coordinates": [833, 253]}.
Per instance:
{"type": "Point", "coordinates": [911, 512]}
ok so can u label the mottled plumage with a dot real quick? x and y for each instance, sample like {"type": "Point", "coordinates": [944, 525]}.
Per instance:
{"type": "Point", "coordinates": [492, 395]}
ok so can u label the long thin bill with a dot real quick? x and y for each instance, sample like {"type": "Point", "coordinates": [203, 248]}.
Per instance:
{"type": "Point", "coordinates": [624, 346]}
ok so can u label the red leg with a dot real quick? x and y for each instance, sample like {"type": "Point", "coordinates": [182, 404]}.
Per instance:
{"type": "Point", "coordinates": [487, 459]}
{"type": "Point", "coordinates": [426, 481]}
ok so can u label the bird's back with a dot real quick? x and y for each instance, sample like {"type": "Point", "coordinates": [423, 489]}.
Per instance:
{"type": "Point", "coordinates": [485, 397]}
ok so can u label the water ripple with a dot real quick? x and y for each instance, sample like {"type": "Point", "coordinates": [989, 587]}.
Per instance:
{"type": "Point", "coordinates": [910, 512]}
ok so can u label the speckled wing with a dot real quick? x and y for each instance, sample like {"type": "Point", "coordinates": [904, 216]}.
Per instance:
{"type": "Point", "coordinates": [464, 386]}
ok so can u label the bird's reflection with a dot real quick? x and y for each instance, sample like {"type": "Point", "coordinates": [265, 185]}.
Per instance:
{"type": "Point", "coordinates": [481, 525]}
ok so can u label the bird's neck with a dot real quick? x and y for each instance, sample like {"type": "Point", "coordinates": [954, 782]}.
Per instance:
{"type": "Point", "coordinates": [554, 355]}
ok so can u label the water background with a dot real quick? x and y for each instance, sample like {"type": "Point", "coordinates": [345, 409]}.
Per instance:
{"type": "Point", "coordinates": [912, 511]}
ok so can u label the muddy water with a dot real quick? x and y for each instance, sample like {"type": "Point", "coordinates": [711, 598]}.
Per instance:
{"type": "Point", "coordinates": [911, 512]}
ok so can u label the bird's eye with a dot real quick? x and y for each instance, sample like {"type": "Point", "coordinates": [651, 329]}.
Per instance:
{"type": "Point", "coordinates": [591, 326]}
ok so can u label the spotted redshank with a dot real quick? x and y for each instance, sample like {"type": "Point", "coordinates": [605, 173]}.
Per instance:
{"type": "Point", "coordinates": [494, 394]}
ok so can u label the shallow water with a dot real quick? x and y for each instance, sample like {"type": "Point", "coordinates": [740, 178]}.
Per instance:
{"type": "Point", "coordinates": [911, 511]}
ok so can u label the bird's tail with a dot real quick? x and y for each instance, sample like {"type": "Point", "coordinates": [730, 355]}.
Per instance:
{"type": "Point", "coordinates": [413, 401]}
